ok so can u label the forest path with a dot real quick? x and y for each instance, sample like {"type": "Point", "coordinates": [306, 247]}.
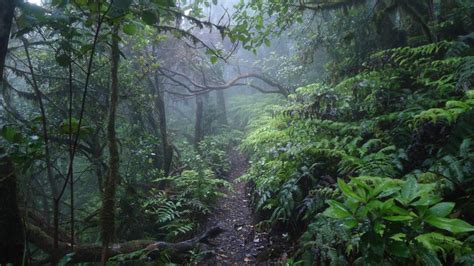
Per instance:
{"type": "Point", "coordinates": [238, 244]}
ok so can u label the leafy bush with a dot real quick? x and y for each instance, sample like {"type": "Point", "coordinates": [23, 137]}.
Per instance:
{"type": "Point", "coordinates": [395, 221]}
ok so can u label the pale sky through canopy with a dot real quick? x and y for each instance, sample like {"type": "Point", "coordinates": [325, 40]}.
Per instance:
{"type": "Point", "coordinates": [36, 2]}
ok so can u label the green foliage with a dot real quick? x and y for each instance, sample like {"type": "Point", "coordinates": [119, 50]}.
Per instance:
{"type": "Point", "coordinates": [213, 150]}
{"type": "Point", "coordinates": [397, 221]}
{"type": "Point", "coordinates": [246, 108]}
{"type": "Point", "coordinates": [24, 149]}
{"type": "Point", "coordinates": [399, 130]}
{"type": "Point", "coordinates": [328, 237]}
{"type": "Point", "coordinates": [189, 196]}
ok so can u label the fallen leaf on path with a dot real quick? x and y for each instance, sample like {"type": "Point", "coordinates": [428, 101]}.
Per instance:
{"type": "Point", "coordinates": [248, 259]}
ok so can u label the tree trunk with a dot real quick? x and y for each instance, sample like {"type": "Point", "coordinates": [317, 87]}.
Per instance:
{"type": "Point", "coordinates": [444, 8]}
{"type": "Point", "coordinates": [221, 108]}
{"type": "Point", "coordinates": [389, 37]}
{"type": "Point", "coordinates": [7, 8]}
{"type": "Point", "coordinates": [11, 225]}
{"type": "Point", "coordinates": [56, 227]}
{"type": "Point", "coordinates": [47, 152]}
{"type": "Point", "coordinates": [108, 197]}
{"type": "Point", "coordinates": [167, 149]}
{"type": "Point", "coordinates": [11, 231]}
{"type": "Point", "coordinates": [100, 167]}
{"type": "Point", "coordinates": [431, 12]}
{"type": "Point", "coordinates": [198, 121]}
{"type": "Point", "coordinates": [46, 210]}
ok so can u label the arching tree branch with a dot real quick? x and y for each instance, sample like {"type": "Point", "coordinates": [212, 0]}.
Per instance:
{"type": "Point", "coordinates": [203, 88]}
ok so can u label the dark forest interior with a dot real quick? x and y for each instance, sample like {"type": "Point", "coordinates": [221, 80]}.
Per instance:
{"type": "Point", "coordinates": [237, 132]}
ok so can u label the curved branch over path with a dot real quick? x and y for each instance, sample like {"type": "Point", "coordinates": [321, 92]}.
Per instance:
{"type": "Point", "coordinates": [201, 88]}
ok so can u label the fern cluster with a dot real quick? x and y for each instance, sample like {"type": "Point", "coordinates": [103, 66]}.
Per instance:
{"type": "Point", "coordinates": [190, 196]}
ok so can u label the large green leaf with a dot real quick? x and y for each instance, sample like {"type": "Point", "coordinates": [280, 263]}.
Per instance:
{"type": "Point", "coordinates": [347, 191]}
{"type": "Point", "coordinates": [408, 192]}
{"type": "Point", "coordinates": [350, 223]}
{"type": "Point", "coordinates": [336, 210]}
{"type": "Point", "coordinates": [451, 225]}
{"type": "Point", "coordinates": [374, 205]}
{"type": "Point", "coordinates": [442, 209]}
{"type": "Point", "coordinates": [384, 186]}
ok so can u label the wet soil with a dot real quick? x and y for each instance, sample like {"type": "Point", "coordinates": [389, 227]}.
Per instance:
{"type": "Point", "coordinates": [240, 243]}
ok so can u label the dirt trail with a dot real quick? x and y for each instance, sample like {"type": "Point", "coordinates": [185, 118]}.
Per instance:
{"type": "Point", "coordinates": [238, 245]}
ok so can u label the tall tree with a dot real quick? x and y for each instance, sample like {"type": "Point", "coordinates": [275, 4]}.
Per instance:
{"type": "Point", "coordinates": [110, 183]}
{"type": "Point", "coordinates": [166, 148]}
{"type": "Point", "coordinates": [11, 226]}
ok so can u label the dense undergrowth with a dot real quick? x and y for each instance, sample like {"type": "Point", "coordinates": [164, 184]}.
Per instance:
{"type": "Point", "coordinates": [190, 192]}
{"type": "Point", "coordinates": [377, 169]}
{"type": "Point", "coordinates": [178, 211]}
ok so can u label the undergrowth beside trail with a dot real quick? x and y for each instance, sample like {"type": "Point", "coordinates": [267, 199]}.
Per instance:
{"type": "Point", "coordinates": [377, 169]}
